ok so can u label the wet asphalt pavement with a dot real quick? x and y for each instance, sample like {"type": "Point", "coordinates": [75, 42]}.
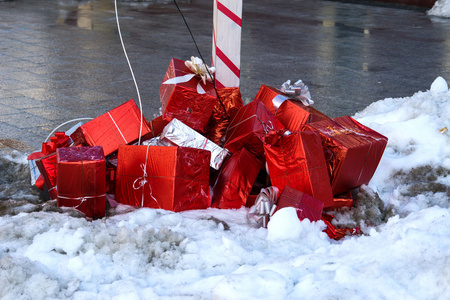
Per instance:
{"type": "Point", "coordinates": [61, 60]}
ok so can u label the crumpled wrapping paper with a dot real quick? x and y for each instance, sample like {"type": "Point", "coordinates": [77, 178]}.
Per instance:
{"type": "Point", "coordinates": [224, 111]}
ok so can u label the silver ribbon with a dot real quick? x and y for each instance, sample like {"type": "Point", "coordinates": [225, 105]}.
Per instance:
{"type": "Point", "coordinates": [297, 91]}
{"type": "Point", "coordinates": [264, 207]}
{"type": "Point", "coordinates": [198, 68]}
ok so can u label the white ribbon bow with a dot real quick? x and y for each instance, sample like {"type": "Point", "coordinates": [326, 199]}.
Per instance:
{"type": "Point", "coordinates": [198, 68]}
{"type": "Point", "coordinates": [264, 206]}
{"type": "Point", "coordinates": [298, 91]}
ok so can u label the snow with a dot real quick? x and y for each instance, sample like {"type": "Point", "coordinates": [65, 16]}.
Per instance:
{"type": "Point", "coordinates": [441, 8]}
{"type": "Point", "coordinates": [404, 253]}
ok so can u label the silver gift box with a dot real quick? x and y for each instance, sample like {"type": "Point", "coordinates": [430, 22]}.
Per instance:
{"type": "Point", "coordinates": [176, 132]}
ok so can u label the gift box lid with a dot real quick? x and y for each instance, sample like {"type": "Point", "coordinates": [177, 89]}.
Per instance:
{"type": "Point", "coordinates": [77, 154]}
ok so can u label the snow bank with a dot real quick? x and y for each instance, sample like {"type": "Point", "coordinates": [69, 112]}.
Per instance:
{"type": "Point", "coordinates": [47, 252]}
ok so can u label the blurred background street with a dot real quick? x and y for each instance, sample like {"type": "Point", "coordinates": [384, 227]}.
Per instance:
{"type": "Point", "coordinates": [61, 60]}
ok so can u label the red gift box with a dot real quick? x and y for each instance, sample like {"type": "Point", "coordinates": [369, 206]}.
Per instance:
{"type": "Point", "coordinates": [47, 168]}
{"type": "Point", "coordinates": [306, 206]}
{"type": "Point", "coordinates": [249, 127]}
{"type": "Point", "coordinates": [290, 112]}
{"type": "Point", "coordinates": [81, 179]}
{"type": "Point", "coordinates": [235, 180]}
{"type": "Point", "coordinates": [298, 161]}
{"type": "Point", "coordinates": [182, 101]}
{"type": "Point", "coordinates": [352, 151]}
{"type": "Point", "coordinates": [119, 126]}
{"type": "Point", "coordinates": [167, 177]}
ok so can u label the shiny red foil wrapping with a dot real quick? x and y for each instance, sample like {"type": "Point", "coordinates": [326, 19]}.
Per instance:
{"type": "Point", "coordinates": [47, 168]}
{"type": "Point", "coordinates": [230, 99]}
{"type": "Point", "coordinates": [167, 177]}
{"type": "Point", "coordinates": [235, 180]}
{"type": "Point", "coordinates": [119, 126]}
{"type": "Point", "coordinates": [291, 113]}
{"type": "Point", "coordinates": [249, 127]}
{"type": "Point", "coordinates": [81, 179]}
{"type": "Point", "coordinates": [337, 233]}
{"type": "Point", "coordinates": [298, 161]}
{"type": "Point", "coordinates": [181, 100]}
{"type": "Point", "coordinates": [352, 151]}
{"type": "Point", "coordinates": [307, 207]}
{"type": "Point", "coordinates": [343, 200]}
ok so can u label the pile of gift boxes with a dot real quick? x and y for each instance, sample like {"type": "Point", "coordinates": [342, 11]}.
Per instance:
{"type": "Point", "coordinates": [207, 149]}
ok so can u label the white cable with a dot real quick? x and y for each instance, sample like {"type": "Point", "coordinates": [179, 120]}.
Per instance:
{"type": "Point", "coordinates": [74, 120]}
{"type": "Point", "coordinates": [131, 70]}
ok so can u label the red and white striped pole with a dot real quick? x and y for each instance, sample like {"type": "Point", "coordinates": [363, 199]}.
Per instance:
{"type": "Point", "coordinates": [226, 50]}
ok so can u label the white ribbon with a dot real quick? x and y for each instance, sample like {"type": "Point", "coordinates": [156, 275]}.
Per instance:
{"type": "Point", "coordinates": [264, 206]}
{"type": "Point", "coordinates": [81, 199]}
{"type": "Point", "coordinates": [198, 68]}
{"type": "Point", "coordinates": [141, 181]}
{"type": "Point", "coordinates": [297, 91]}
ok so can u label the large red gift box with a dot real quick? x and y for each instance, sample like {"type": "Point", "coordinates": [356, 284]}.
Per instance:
{"type": "Point", "coordinates": [297, 160]}
{"type": "Point", "coordinates": [352, 151]}
{"type": "Point", "coordinates": [118, 126]}
{"type": "Point", "coordinates": [167, 177]}
{"type": "Point", "coordinates": [290, 112]}
{"type": "Point", "coordinates": [47, 168]}
{"type": "Point", "coordinates": [249, 127]}
{"type": "Point", "coordinates": [81, 179]}
{"type": "Point", "coordinates": [182, 101]}
{"type": "Point", "coordinates": [235, 180]}
{"type": "Point", "coordinates": [306, 206]}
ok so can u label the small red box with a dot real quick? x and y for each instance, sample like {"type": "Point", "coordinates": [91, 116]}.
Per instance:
{"type": "Point", "coordinates": [235, 180]}
{"type": "Point", "coordinates": [352, 151]}
{"type": "Point", "coordinates": [298, 161]}
{"type": "Point", "coordinates": [248, 128]}
{"type": "Point", "coordinates": [182, 101]}
{"type": "Point", "coordinates": [306, 206]}
{"type": "Point", "coordinates": [48, 170]}
{"type": "Point", "coordinates": [167, 177]}
{"type": "Point", "coordinates": [119, 126]}
{"type": "Point", "coordinates": [81, 179]}
{"type": "Point", "coordinates": [290, 112]}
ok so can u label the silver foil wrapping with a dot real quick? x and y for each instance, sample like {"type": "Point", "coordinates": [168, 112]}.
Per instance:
{"type": "Point", "coordinates": [176, 132]}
